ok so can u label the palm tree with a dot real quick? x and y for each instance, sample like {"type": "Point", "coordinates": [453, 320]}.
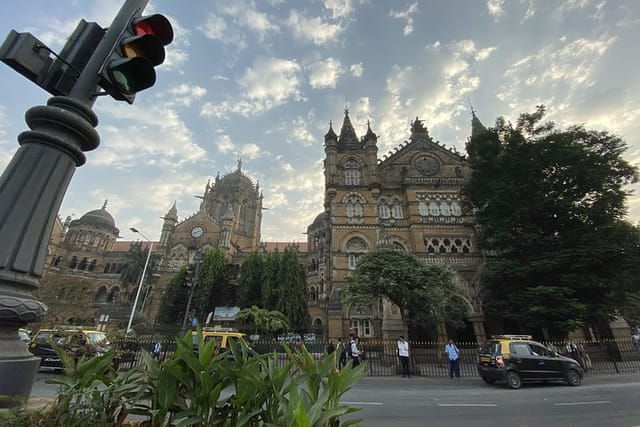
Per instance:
{"type": "Point", "coordinates": [263, 320]}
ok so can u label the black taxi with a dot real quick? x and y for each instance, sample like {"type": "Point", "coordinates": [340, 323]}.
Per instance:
{"type": "Point", "coordinates": [515, 359]}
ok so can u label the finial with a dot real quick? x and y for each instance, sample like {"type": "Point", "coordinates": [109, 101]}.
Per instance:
{"type": "Point", "coordinates": [104, 206]}
{"type": "Point", "coordinates": [473, 112]}
{"type": "Point", "coordinates": [330, 124]}
{"type": "Point", "coordinates": [239, 162]}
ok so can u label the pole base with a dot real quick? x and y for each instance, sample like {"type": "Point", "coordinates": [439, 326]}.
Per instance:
{"type": "Point", "coordinates": [18, 376]}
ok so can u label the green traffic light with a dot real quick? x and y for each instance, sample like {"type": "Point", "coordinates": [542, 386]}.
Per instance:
{"type": "Point", "coordinates": [132, 75]}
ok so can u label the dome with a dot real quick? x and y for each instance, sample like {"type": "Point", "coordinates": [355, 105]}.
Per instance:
{"type": "Point", "coordinates": [98, 218]}
{"type": "Point", "coordinates": [236, 182]}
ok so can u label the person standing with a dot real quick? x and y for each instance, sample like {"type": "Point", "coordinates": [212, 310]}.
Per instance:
{"type": "Point", "coordinates": [353, 350]}
{"type": "Point", "coordinates": [452, 351]}
{"type": "Point", "coordinates": [342, 354]}
{"type": "Point", "coordinates": [157, 349]}
{"type": "Point", "coordinates": [403, 354]}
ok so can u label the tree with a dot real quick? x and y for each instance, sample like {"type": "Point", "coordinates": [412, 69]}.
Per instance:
{"type": "Point", "coordinates": [212, 284]}
{"type": "Point", "coordinates": [174, 300]}
{"type": "Point", "coordinates": [292, 290]}
{"type": "Point", "coordinates": [251, 278]}
{"type": "Point", "coordinates": [263, 320]}
{"type": "Point", "coordinates": [547, 202]}
{"type": "Point", "coordinates": [271, 277]}
{"type": "Point", "coordinates": [418, 290]}
{"type": "Point", "coordinates": [134, 264]}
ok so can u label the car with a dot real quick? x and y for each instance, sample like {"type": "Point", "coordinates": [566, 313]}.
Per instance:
{"type": "Point", "coordinates": [76, 341]}
{"type": "Point", "coordinates": [24, 336]}
{"type": "Point", "coordinates": [224, 338]}
{"type": "Point", "coordinates": [517, 359]}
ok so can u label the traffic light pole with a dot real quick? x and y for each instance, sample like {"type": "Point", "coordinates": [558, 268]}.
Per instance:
{"type": "Point", "coordinates": [31, 191]}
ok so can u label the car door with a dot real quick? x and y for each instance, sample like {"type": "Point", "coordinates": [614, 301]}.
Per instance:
{"type": "Point", "coordinates": [522, 359]}
{"type": "Point", "coordinates": [548, 364]}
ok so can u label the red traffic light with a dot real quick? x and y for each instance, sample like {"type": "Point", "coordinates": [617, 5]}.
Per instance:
{"type": "Point", "coordinates": [139, 49]}
{"type": "Point", "coordinates": [155, 25]}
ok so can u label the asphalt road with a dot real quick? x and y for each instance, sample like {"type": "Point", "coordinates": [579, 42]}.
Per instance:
{"type": "Point", "coordinates": [601, 401]}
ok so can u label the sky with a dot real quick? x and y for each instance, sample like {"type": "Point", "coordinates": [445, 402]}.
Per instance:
{"type": "Point", "coordinates": [261, 80]}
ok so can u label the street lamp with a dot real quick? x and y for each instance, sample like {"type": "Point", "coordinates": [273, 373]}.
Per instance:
{"type": "Point", "coordinates": [144, 272]}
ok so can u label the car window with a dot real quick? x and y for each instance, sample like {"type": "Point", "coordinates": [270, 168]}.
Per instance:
{"type": "Point", "coordinates": [540, 350]}
{"type": "Point", "coordinates": [42, 337]}
{"type": "Point", "coordinates": [490, 347]}
{"type": "Point", "coordinates": [520, 348]}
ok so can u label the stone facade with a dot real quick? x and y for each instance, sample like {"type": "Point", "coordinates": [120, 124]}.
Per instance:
{"type": "Point", "coordinates": [407, 201]}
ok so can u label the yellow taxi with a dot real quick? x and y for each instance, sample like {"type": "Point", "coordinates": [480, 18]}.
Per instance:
{"type": "Point", "coordinates": [224, 337]}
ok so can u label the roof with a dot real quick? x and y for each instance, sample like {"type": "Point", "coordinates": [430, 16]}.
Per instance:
{"type": "Point", "coordinates": [272, 246]}
{"type": "Point", "coordinates": [125, 245]}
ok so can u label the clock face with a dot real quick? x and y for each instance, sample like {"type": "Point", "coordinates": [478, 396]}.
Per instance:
{"type": "Point", "coordinates": [427, 165]}
{"type": "Point", "coordinates": [197, 231]}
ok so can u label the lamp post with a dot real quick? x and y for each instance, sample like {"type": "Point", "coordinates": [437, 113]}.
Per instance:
{"type": "Point", "coordinates": [144, 272]}
{"type": "Point", "coordinates": [197, 259]}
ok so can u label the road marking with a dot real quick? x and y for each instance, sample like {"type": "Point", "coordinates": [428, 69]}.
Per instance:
{"type": "Point", "coordinates": [363, 403]}
{"type": "Point", "coordinates": [593, 402]}
{"type": "Point", "coordinates": [481, 405]}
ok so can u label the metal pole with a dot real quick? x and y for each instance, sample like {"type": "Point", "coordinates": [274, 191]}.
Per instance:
{"type": "Point", "coordinates": [144, 271]}
{"type": "Point", "coordinates": [183, 329]}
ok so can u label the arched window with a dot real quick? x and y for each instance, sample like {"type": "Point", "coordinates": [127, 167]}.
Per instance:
{"type": "Point", "coordinates": [352, 173]}
{"type": "Point", "coordinates": [354, 207]}
{"type": "Point", "coordinates": [383, 209]}
{"type": "Point", "coordinates": [74, 262]}
{"type": "Point", "coordinates": [396, 210]}
{"type": "Point", "coordinates": [356, 247]}
{"type": "Point", "coordinates": [56, 261]}
{"type": "Point", "coordinates": [107, 267]}
{"type": "Point", "coordinates": [422, 208]}
{"type": "Point", "coordinates": [83, 264]}
{"type": "Point", "coordinates": [92, 266]}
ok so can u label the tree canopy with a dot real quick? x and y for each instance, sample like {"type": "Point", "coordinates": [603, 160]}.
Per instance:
{"type": "Point", "coordinates": [420, 291]}
{"type": "Point", "coordinates": [549, 203]}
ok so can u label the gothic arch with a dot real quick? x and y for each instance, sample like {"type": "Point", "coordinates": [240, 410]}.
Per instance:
{"type": "Point", "coordinates": [101, 296]}
{"type": "Point", "coordinates": [351, 237]}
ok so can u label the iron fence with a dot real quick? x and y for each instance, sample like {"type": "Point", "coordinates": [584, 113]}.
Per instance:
{"type": "Point", "coordinates": [427, 358]}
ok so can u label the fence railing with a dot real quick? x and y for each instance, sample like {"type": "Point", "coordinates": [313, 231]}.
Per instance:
{"type": "Point", "coordinates": [426, 359]}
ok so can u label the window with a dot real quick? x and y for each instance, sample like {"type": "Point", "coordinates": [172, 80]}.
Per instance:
{"type": "Point", "coordinates": [352, 174]}
{"type": "Point", "coordinates": [362, 327]}
{"type": "Point", "coordinates": [356, 247]}
{"type": "Point", "coordinates": [397, 209]}
{"type": "Point", "coordinates": [383, 209]}
{"type": "Point", "coordinates": [447, 245]}
{"type": "Point", "coordinates": [422, 208]}
{"type": "Point", "coordinates": [455, 209]}
{"type": "Point", "coordinates": [520, 348]}
{"type": "Point", "coordinates": [354, 207]}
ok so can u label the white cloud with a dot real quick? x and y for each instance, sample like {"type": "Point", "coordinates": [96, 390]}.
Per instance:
{"type": "Point", "coordinates": [339, 8]}
{"type": "Point", "coordinates": [214, 27]}
{"type": "Point", "coordinates": [407, 15]}
{"type": "Point", "coordinates": [325, 73]}
{"type": "Point", "coordinates": [357, 69]}
{"type": "Point", "coordinates": [224, 144]}
{"type": "Point", "coordinates": [495, 8]}
{"type": "Point", "coordinates": [313, 29]}
{"type": "Point", "coordinates": [185, 94]}
{"type": "Point", "coordinates": [251, 151]}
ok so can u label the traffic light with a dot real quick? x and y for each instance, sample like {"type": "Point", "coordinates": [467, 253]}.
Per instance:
{"type": "Point", "coordinates": [188, 276]}
{"type": "Point", "coordinates": [140, 47]}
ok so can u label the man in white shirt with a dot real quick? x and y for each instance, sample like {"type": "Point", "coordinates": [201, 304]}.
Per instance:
{"type": "Point", "coordinates": [452, 351]}
{"type": "Point", "coordinates": [353, 350]}
{"type": "Point", "coordinates": [403, 354]}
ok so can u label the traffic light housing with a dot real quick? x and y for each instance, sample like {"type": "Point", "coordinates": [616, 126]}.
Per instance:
{"type": "Point", "coordinates": [140, 48]}
{"type": "Point", "coordinates": [188, 276]}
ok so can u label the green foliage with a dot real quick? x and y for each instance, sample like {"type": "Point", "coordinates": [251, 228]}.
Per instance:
{"type": "Point", "coordinates": [134, 265]}
{"type": "Point", "coordinates": [212, 287]}
{"type": "Point", "coordinates": [421, 292]}
{"type": "Point", "coordinates": [293, 290]}
{"type": "Point", "coordinates": [174, 300]}
{"type": "Point", "coordinates": [263, 320]}
{"type": "Point", "coordinates": [250, 283]}
{"type": "Point", "coordinates": [550, 203]}
{"type": "Point", "coordinates": [201, 386]}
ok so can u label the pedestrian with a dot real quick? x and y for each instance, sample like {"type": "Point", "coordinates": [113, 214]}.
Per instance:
{"type": "Point", "coordinates": [157, 349]}
{"type": "Point", "coordinates": [352, 350]}
{"type": "Point", "coordinates": [331, 347]}
{"type": "Point", "coordinates": [452, 351]}
{"type": "Point", "coordinates": [298, 345]}
{"type": "Point", "coordinates": [342, 354]}
{"type": "Point", "coordinates": [635, 337]}
{"type": "Point", "coordinates": [403, 354]}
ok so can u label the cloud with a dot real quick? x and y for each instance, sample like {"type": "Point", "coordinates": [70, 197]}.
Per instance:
{"type": "Point", "coordinates": [224, 144]}
{"type": "Point", "coordinates": [407, 15]}
{"type": "Point", "coordinates": [251, 151]}
{"type": "Point", "coordinates": [185, 94]}
{"type": "Point", "coordinates": [314, 30]}
{"type": "Point", "coordinates": [325, 73]}
{"type": "Point", "coordinates": [357, 69]}
{"type": "Point", "coordinates": [495, 8]}
{"type": "Point", "coordinates": [339, 8]}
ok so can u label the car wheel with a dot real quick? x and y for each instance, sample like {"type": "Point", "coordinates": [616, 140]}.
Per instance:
{"type": "Point", "coordinates": [573, 378]}
{"type": "Point", "coordinates": [513, 380]}
{"type": "Point", "coordinates": [488, 380]}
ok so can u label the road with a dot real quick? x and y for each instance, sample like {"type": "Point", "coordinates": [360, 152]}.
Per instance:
{"type": "Point", "coordinates": [601, 401]}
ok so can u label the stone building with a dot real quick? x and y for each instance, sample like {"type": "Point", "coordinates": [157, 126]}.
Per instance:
{"type": "Point", "coordinates": [407, 201]}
